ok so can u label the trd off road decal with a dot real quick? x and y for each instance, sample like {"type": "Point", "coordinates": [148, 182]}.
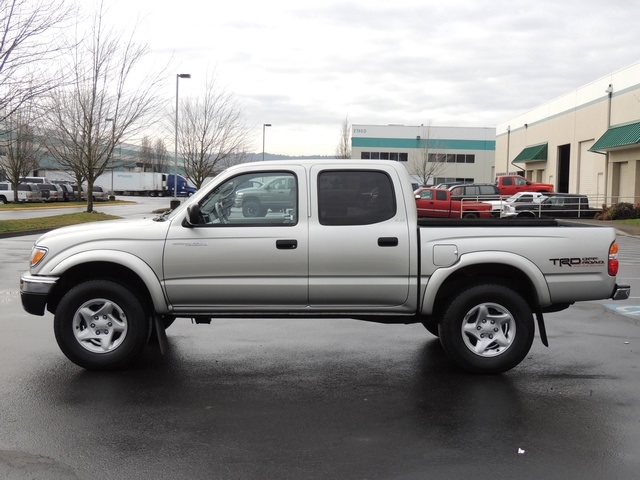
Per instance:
{"type": "Point", "coordinates": [576, 262]}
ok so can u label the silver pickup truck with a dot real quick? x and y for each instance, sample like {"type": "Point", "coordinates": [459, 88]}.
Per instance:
{"type": "Point", "coordinates": [347, 245]}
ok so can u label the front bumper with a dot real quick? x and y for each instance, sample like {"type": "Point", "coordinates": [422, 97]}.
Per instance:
{"type": "Point", "coordinates": [34, 291]}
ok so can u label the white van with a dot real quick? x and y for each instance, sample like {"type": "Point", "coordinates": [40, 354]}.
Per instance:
{"type": "Point", "coordinates": [35, 180]}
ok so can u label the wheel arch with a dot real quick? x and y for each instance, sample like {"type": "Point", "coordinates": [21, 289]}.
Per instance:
{"type": "Point", "coordinates": [512, 270]}
{"type": "Point", "coordinates": [125, 270]}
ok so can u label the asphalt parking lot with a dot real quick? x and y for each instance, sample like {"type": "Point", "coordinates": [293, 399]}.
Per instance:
{"type": "Point", "coordinates": [332, 399]}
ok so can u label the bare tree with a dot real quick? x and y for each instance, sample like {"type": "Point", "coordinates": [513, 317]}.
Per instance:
{"type": "Point", "coordinates": [429, 163]}
{"type": "Point", "coordinates": [161, 156]}
{"type": "Point", "coordinates": [29, 41]}
{"type": "Point", "coordinates": [22, 150]}
{"type": "Point", "coordinates": [343, 150]}
{"type": "Point", "coordinates": [147, 155]}
{"type": "Point", "coordinates": [88, 118]}
{"type": "Point", "coordinates": [210, 131]}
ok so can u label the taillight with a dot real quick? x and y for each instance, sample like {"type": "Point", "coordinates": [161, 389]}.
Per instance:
{"type": "Point", "coordinates": [613, 259]}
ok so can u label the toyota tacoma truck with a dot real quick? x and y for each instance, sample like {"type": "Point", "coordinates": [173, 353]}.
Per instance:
{"type": "Point", "coordinates": [349, 245]}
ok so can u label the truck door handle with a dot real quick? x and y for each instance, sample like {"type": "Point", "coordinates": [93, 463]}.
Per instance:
{"type": "Point", "coordinates": [387, 242]}
{"type": "Point", "coordinates": [286, 244]}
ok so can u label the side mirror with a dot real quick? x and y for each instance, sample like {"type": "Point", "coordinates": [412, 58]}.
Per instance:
{"type": "Point", "coordinates": [194, 217]}
{"type": "Point", "coordinates": [418, 197]}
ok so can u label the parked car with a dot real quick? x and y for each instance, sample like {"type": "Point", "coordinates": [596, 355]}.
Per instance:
{"type": "Point", "coordinates": [558, 205]}
{"type": "Point", "coordinates": [6, 193]}
{"type": "Point", "coordinates": [56, 193]}
{"type": "Point", "coordinates": [100, 194]}
{"type": "Point", "coordinates": [505, 208]}
{"type": "Point", "coordinates": [480, 192]}
{"type": "Point", "coordinates": [438, 203]}
{"type": "Point", "coordinates": [82, 196]}
{"type": "Point", "coordinates": [67, 190]}
{"type": "Point", "coordinates": [476, 191]}
{"type": "Point", "coordinates": [510, 184]}
{"type": "Point", "coordinates": [29, 192]}
{"type": "Point", "coordinates": [276, 194]}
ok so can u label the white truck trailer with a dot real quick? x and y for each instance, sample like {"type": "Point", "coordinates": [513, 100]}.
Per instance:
{"type": "Point", "coordinates": [144, 183]}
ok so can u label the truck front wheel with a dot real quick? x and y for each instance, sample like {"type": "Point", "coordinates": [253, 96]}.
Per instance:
{"type": "Point", "coordinates": [488, 328]}
{"type": "Point", "coordinates": [101, 325]}
{"type": "Point", "coordinates": [252, 208]}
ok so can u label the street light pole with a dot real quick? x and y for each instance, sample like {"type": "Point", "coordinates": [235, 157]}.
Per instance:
{"type": "Point", "coordinates": [264, 125]}
{"type": "Point", "coordinates": [175, 157]}
{"type": "Point", "coordinates": [113, 139]}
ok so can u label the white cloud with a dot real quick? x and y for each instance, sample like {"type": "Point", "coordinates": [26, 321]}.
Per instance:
{"type": "Point", "coordinates": [304, 68]}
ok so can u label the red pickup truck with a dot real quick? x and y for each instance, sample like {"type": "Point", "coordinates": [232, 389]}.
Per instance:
{"type": "Point", "coordinates": [437, 202]}
{"type": "Point", "coordinates": [510, 184]}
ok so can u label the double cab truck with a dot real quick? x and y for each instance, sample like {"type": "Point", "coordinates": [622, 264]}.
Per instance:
{"type": "Point", "coordinates": [350, 245]}
{"type": "Point", "coordinates": [511, 184]}
{"type": "Point", "coordinates": [437, 203]}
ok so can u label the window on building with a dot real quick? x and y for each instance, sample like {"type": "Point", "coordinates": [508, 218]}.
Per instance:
{"type": "Point", "coordinates": [451, 158]}
{"type": "Point", "coordinates": [396, 156]}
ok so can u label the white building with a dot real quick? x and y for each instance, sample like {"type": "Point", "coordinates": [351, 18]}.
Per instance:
{"type": "Point", "coordinates": [587, 141]}
{"type": "Point", "coordinates": [460, 154]}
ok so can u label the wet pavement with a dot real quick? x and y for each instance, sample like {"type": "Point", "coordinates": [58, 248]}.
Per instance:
{"type": "Point", "coordinates": [331, 399]}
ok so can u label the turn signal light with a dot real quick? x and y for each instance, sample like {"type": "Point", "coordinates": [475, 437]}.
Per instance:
{"type": "Point", "coordinates": [613, 259]}
{"type": "Point", "coordinates": [37, 254]}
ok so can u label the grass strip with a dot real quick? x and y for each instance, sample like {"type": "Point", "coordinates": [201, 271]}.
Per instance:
{"type": "Point", "coordinates": [40, 205]}
{"type": "Point", "coordinates": [43, 223]}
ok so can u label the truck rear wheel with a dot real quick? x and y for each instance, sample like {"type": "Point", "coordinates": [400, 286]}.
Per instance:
{"type": "Point", "coordinates": [488, 328]}
{"type": "Point", "coordinates": [101, 325]}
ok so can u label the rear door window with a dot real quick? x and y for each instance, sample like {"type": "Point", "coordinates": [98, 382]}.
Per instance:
{"type": "Point", "coordinates": [355, 197]}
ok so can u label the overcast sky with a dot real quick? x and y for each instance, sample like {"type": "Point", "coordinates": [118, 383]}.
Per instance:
{"type": "Point", "coordinates": [304, 66]}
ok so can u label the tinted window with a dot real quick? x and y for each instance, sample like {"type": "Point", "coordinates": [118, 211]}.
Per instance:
{"type": "Point", "coordinates": [487, 190]}
{"type": "Point", "coordinates": [355, 197]}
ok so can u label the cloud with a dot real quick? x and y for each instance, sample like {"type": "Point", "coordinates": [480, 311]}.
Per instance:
{"type": "Point", "coordinates": [305, 67]}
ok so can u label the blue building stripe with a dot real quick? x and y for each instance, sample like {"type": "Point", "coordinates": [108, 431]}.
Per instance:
{"type": "Point", "coordinates": [431, 143]}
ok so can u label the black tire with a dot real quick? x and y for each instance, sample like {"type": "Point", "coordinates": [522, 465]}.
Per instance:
{"type": "Point", "coordinates": [526, 215]}
{"type": "Point", "coordinates": [470, 215]}
{"type": "Point", "coordinates": [101, 325]}
{"type": "Point", "coordinates": [487, 328]}
{"type": "Point", "coordinates": [252, 208]}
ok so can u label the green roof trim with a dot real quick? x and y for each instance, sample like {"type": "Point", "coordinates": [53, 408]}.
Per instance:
{"type": "Point", "coordinates": [435, 144]}
{"type": "Point", "coordinates": [620, 136]}
{"type": "Point", "coordinates": [535, 153]}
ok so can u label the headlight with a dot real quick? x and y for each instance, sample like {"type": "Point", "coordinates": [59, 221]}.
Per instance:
{"type": "Point", "coordinates": [37, 254]}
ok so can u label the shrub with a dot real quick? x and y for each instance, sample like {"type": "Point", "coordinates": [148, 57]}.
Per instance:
{"type": "Point", "coordinates": [622, 211]}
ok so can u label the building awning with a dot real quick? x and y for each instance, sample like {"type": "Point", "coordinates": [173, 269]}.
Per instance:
{"type": "Point", "coordinates": [616, 137]}
{"type": "Point", "coordinates": [535, 153]}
